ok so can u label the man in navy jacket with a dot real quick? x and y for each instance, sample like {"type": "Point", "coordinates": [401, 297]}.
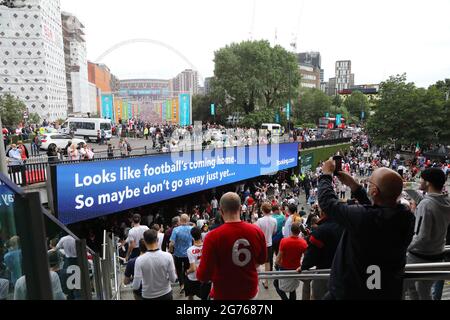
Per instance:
{"type": "Point", "coordinates": [371, 256]}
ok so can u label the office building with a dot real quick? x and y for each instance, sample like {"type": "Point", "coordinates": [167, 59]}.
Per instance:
{"type": "Point", "coordinates": [32, 63]}
{"type": "Point", "coordinates": [186, 81]}
{"type": "Point", "coordinates": [76, 65]}
{"type": "Point", "coordinates": [310, 76]}
{"type": "Point", "coordinates": [344, 77]}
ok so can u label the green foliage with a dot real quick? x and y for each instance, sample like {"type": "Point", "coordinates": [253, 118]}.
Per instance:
{"type": "Point", "coordinates": [34, 118]}
{"type": "Point", "coordinates": [406, 114]}
{"type": "Point", "coordinates": [201, 108]}
{"type": "Point", "coordinates": [257, 118]}
{"type": "Point", "coordinates": [253, 74]}
{"type": "Point", "coordinates": [313, 104]}
{"type": "Point", "coordinates": [60, 121]}
{"type": "Point", "coordinates": [356, 103]}
{"type": "Point", "coordinates": [11, 110]}
{"type": "Point", "coordinates": [337, 101]}
{"type": "Point", "coordinates": [344, 112]}
{"type": "Point", "coordinates": [305, 125]}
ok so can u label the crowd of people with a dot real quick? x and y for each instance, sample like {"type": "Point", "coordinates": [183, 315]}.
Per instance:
{"type": "Point", "coordinates": [297, 221]}
{"type": "Point", "coordinates": [265, 224]}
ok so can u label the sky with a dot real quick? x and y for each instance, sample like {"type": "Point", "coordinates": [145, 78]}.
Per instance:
{"type": "Point", "coordinates": [381, 38]}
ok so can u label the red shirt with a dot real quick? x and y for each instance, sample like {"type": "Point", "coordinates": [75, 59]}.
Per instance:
{"type": "Point", "coordinates": [231, 254]}
{"type": "Point", "coordinates": [250, 201]}
{"type": "Point", "coordinates": [293, 249]}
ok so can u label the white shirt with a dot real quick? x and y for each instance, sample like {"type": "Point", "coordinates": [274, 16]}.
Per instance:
{"type": "Point", "coordinates": [160, 239]}
{"type": "Point", "coordinates": [156, 271]}
{"type": "Point", "coordinates": [20, 288]}
{"type": "Point", "coordinates": [67, 243]}
{"type": "Point", "coordinates": [268, 225]}
{"type": "Point", "coordinates": [194, 254]}
{"type": "Point", "coordinates": [215, 204]}
{"type": "Point", "coordinates": [136, 234]}
{"type": "Point", "coordinates": [287, 227]}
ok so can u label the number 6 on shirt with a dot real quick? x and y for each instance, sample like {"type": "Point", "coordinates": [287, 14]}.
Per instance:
{"type": "Point", "coordinates": [237, 253]}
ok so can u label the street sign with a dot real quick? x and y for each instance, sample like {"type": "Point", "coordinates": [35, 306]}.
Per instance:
{"type": "Point", "coordinates": [338, 119]}
{"type": "Point", "coordinates": [288, 112]}
{"type": "Point", "coordinates": [25, 115]}
{"type": "Point", "coordinates": [213, 109]}
{"type": "Point", "coordinates": [363, 114]}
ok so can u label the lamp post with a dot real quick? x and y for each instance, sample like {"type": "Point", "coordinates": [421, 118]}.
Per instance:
{"type": "Point", "coordinates": [3, 167]}
{"type": "Point", "coordinates": [288, 110]}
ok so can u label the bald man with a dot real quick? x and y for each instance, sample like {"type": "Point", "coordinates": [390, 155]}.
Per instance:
{"type": "Point", "coordinates": [371, 256]}
{"type": "Point", "coordinates": [180, 242]}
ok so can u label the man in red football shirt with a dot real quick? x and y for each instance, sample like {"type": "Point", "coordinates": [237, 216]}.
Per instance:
{"type": "Point", "coordinates": [289, 258]}
{"type": "Point", "coordinates": [231, 255]}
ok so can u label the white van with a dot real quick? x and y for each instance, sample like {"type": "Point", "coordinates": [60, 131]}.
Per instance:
{"type": "Point", "coordinates": [273, 128]}
{"type": "Point", "coordinates": [87, 128]}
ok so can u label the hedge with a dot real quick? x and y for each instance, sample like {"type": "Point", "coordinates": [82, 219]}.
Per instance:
{"type": "Point", "coordinates": [324, 153]}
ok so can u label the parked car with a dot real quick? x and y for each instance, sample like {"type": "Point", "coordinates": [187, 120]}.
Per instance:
{"type": "Point", "coordinates": [58, 139]}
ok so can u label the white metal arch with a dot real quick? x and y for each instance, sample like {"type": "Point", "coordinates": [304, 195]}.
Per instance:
{"type": "Point", "coordinates": [151, 41]}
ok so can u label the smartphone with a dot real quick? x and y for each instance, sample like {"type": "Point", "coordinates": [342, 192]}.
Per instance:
{"type": "Point", "coordinates": [338, 159]}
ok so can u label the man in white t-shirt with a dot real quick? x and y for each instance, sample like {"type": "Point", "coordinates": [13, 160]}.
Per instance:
{"type": "Point", "coordinates": [192, 286]}
{"type": "Point", "coordinates": [157, 228]}
{"type": "Point", "coordinates": [155, 270]}
{"type": "Point", "coordinates": [244, 214]}
{"type": "Point", "coordinates": [268, 225]}
{"type": "Point", "coordinates": [134, 236]}
{"type": "Point", "coordinates": [284, 187]}
{"type": "Point", "coordinates": [292, 200]}
{"type": "Point", "coordinates": [214, 206]}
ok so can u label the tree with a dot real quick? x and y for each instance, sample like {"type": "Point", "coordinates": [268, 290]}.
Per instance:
{"type": "Point", "coordinates": [34, 118]}
{"type": "Point", "coordinates": [312, 106]}
{"type": "Point", "coordinates": [201, 108]}
{"type": "Point", "coordinates": [11, 110]}
{"type": "Point", "coordinates": [408, 115]}
{"type": "Point", "coordinates": [265, 115]}
{"type": "Point", "coordinates": [356, 103]}
{"type": "Point", "coordinates": [253, 74]}
{"type": "Point", "coordinates": [337, 101]}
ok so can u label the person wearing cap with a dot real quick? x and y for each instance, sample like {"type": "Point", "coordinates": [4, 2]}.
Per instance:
{"type": "Point", "coordinates": [432, 222]}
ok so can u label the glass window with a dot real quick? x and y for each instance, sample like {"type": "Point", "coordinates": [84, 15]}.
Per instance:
{"type": "Point", "coordinates": [89, 126]}
{"type": "Point", "coordinates": [105, 126]}
{"type": "Point", "coordinates": [10, 246]}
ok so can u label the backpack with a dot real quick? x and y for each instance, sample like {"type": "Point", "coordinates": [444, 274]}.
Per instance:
{"type": "Point", "coordinates": [128, 147]}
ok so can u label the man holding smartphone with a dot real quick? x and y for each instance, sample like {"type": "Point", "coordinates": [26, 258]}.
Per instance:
{"type": "Point", "coordinates": [371, 256]}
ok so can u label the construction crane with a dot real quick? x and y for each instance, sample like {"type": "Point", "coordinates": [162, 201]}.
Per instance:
{"type": "Point", "coordinates": [11, 4]}
{"type": "Point", "coordinates": [295, 35]}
